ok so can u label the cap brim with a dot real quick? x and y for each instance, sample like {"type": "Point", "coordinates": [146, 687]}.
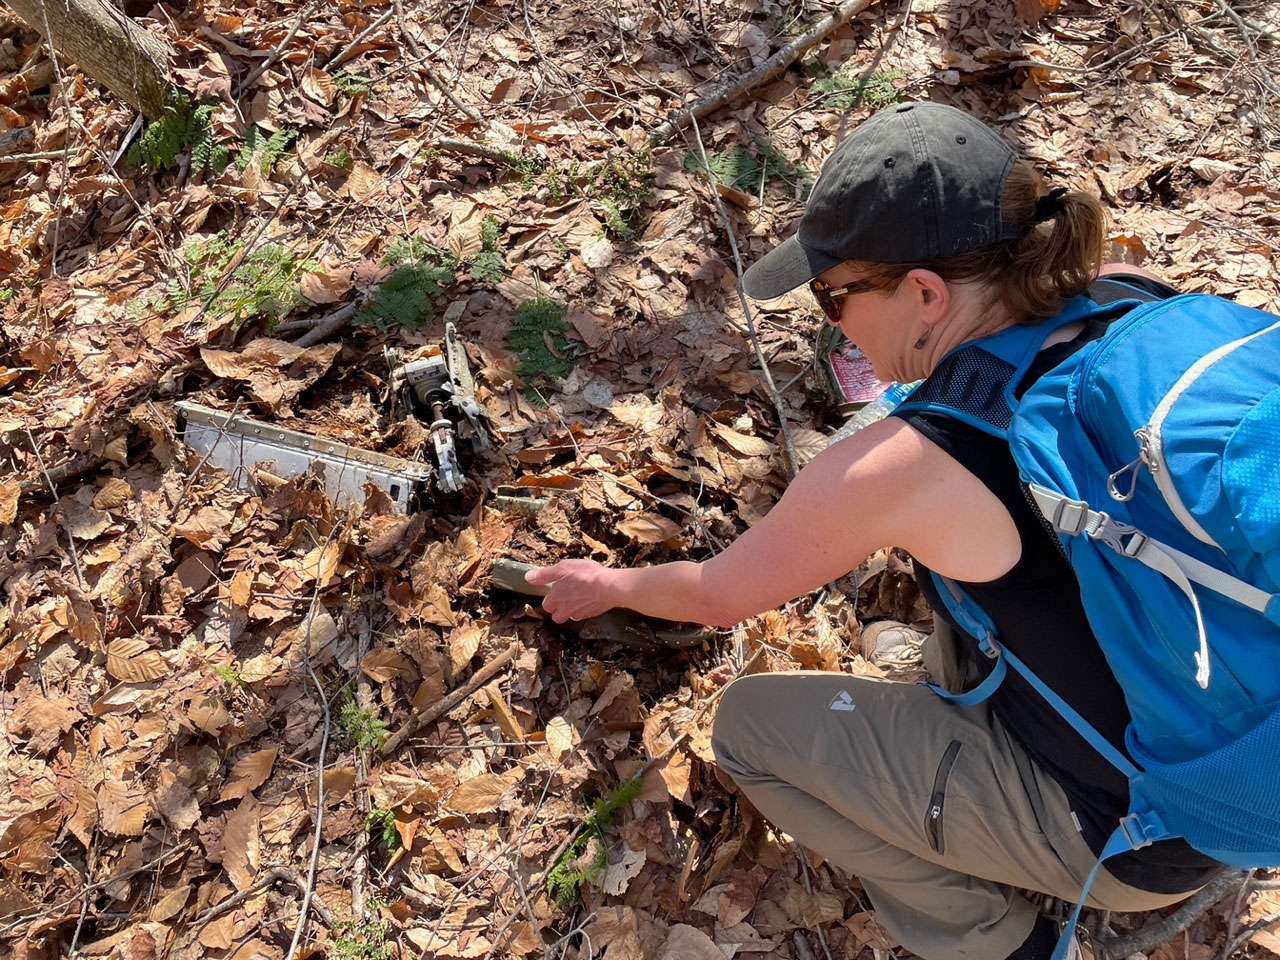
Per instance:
{"type": "Point", "coordinates": [785, 267]}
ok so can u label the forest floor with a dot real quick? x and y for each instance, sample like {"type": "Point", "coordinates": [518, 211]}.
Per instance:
{"type": "Point", "coordinates": [201, 678]}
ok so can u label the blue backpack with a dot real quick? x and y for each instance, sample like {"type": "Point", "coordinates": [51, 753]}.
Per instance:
{"type": "Point", "coordinates": [1153, 453]}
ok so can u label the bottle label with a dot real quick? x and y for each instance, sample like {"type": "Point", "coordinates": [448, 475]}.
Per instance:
{"type": "Point", "coordinates": [852, 373]}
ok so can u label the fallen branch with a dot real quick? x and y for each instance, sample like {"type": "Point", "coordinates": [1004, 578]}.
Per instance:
{"type": "Point", "coordinates": [733, 88]}
{"type": "Point", "coordinates": [788, 445]}
{"type": "Point", "coordinates": [451, 700]}
{"type": "Point", "coordinates": [327, 326]}
{"type": "Point", "coordinates": [273, 875]}
{"type": "Point", "coordinates": [1166, 928]}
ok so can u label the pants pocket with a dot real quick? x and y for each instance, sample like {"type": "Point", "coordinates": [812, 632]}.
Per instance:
{"type": "Point", "coordinates": [933, 819]}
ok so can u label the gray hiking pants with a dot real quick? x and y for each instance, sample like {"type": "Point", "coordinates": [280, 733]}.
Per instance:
{"type": "Point", "coordinates": [934, 807]}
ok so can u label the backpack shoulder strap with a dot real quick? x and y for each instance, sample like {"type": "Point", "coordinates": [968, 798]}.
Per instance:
{"type": "Point", "coordinates": [975, 382]}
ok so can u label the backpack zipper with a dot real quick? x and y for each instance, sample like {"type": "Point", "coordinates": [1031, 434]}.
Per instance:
{"type": "Point", "coordinates": [1151, 440]}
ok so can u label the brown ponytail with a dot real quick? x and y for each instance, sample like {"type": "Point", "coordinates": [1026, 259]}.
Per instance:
{"type": "Point", "coordinates": [1056, 258]}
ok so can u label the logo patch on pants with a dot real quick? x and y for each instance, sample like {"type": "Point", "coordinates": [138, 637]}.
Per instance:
{"type": "Point", "coordinates": [842, 701]}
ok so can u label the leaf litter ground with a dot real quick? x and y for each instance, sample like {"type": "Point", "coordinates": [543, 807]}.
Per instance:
{"type": "Point", "coordinates": [160, 625]}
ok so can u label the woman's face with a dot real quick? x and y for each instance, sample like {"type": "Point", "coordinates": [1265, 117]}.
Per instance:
{"type": "Point", "coordinates": [884, 325]}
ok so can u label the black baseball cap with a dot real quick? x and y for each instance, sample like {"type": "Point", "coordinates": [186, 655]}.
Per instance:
{"type": "Point", "coordinates": [916, 181]}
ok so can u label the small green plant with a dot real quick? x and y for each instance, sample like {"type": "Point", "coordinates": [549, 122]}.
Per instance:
{"type": "Point", "coordinates": [339, 159]}
{"type": "Point", "coordinates": [745, 168]}
{"type": "Point", "coordinates": [539, 337]}
{"type": "Point", "coordinates": [363, 727]}
{"type": "Point", "coordinates": [488, 265]}
{"type": "Point", "coordinates": [349, 84]}
{"type": "Point", "coordinates": [620, 185]}
{"type": "Point", "coordinates": [6, 296]}
{"type": "Point", "coordinates": [565, 879]}
{"type": "Point", "coordinates": [184, 126]}
{"type": "Point", "coordinates": [264, 283]}
{"type": "Point", "coordinates": [526, 168]}
{"type": "Point", "coordinates": [266, 149]}
{"type": "Point", "coordinates": [228, 674]}
{"type": "Point", "coordinates": [420, 273]}
{"type": "Point", "coordinates": [382, 824]}
{"type": "Point", "coordinates": [843, 90]}
{"type": "Point", "coordinates": [361, 940]}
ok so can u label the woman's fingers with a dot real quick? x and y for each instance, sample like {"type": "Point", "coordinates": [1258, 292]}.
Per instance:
{"type": "Point", "coordinates": [542, 576]}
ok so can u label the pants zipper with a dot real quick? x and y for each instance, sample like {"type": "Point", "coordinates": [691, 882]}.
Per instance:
{"type": "Point", "coordinates": [938, 796]}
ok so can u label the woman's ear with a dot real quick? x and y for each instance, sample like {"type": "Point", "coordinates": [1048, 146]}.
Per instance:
{"type": "Point", "coordinates": [929, 294]}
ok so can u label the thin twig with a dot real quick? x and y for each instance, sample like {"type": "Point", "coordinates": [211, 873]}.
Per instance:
{"type": "Point", "coordinates": [808, 889]}
{"type": "Point", "coordinates": [57, 908]}
{"type": "Point", "coordinates": [364, 700]}
{"type": "Point", "coordinates": [272, 875]}
{"type": "Point", "coordinates": [341, 56]}
{"type": "Point", "coordinates": [1249, 932]}
{"type": "Point", "coordinates": [434, 78]}
{"type": "Point", "coordinates": [788, 445]}
{"type": "Point", "coordinates": [448, 702]}
{"type": "Point", "coordinates": [277, 52]}
{"type": "Point", "coordinates": [66, 150]}
{"type": "Point", "coordinates": [310, 889]}
{"type": "Point", "coordinates": [57, 508]}
{"type": "Point", "coordinates": [1233, 919]}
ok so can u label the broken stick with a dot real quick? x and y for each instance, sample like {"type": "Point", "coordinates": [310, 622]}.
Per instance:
{"type": "Point", "coordinates": [450, 700]}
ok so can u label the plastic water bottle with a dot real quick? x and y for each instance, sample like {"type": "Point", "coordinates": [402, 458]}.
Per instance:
{"type": "Point", "coordinates": [876, 410]}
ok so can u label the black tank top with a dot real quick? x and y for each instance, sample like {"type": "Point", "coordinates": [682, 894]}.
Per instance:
{"type": "Point", "coordinates": [1037, 613]}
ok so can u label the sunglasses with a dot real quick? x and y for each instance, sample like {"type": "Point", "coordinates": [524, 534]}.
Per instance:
{"type": "Point", "coordinates": [830, 298]}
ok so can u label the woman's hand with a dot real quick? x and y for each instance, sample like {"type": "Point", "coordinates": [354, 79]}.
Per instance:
{"type": "Point", "coordinates": [579, 589]}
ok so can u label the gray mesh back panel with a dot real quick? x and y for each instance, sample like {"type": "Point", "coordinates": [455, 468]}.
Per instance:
{"type": "Point", "coordinates": [971, 381]}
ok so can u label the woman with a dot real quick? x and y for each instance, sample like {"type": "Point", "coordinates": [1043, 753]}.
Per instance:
{"type": "Point", "coordinates": [924, 232]}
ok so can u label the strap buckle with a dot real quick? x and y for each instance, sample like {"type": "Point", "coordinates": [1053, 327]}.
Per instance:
{"type": "Point", "coordinates": [1143, 829]}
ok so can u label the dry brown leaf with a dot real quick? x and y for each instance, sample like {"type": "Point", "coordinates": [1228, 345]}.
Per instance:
{"type": "Point", "coordinates": [9, 492]}
{"type": "Point", "coordinates": [249, 774]}
{"type": "Point", "coordinates": [689, 943]}
{"type": "Point", "coordinates": [338, 782]}
{"type": "Point", "coordinates": [463, 645]}
{"type": "Point", "coordinates": [132, 659]}
{"type": "Point", "coordinates": [208, 713]}
{"type": "Point", "coordinates": [808, 443]}
{"type": "Point", "coordinates": [82, 521]}
{"type": "Point", "coordinates": [649, 528]}
{"type": "Point", "coordinates": [507, 721]}
{"type": "Point", "coordinates": [742, 443]}
{"type": "Point", "coordinates": [122, 809]}
{"type": "Point", "coordinates": [329, 284]}
{"type": "Point", "coordinates": [479, 794]}
{"type": "Point", "coordinates": [559, 737]}
{"type": "Point", "coordinates": [319, 86]}
{"type": "Point", "coordinates": [207, 526]}
{"type": "Point", "coordinates": [115, 493]}
{"type": "Point", "coordinates": [363, 183]}
{"type": "Point", "coordinates": [219, 934]}
{"type": "Point", "coordinates": [385, 664]}
{"type": "Point", "coordinates": [241, 844]}
{"type": "Point", "coordinates": [171, 904]}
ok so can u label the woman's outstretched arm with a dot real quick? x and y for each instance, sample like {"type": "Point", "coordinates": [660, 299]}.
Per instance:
{"type": "Point", "coordinates": [884, 485]}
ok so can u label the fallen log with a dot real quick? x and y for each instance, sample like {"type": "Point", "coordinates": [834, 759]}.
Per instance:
{"type": "Point", "coordinates": [106, 45]}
